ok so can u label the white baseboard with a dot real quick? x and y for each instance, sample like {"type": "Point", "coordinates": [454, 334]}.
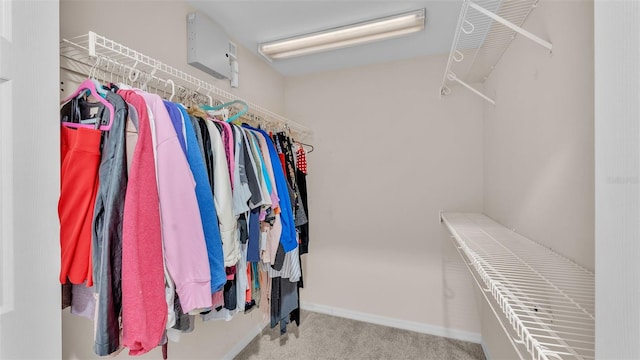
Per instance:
{"type": "Point", "coordinates": [395, 323]}
{"type": "Point", "coordinates": [240, 345]}
{"type": "Point", "coordinates": [484, 349]}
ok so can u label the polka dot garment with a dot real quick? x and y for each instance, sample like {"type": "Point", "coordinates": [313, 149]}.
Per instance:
{"type": "Point", "coordinates": [301, 160]}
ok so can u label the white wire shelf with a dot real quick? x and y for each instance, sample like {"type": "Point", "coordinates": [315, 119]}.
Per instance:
{"type": "Point", "coordinates": [94, 53]}
{"type": "Point", "coordinates": [485, 30]}
{"type": "Point", "coordinates": [547, 300]}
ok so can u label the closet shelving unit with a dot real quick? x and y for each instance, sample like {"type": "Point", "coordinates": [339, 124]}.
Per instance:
{"type": "Point", "coordinates": [484, 31]}
{"type": "Point", "coordinates": [547, 300]}
{"type": "Point", "coordinates": [92, 53]}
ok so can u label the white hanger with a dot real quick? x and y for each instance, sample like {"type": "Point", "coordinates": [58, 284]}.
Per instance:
{"type": "Point", "coordinates": [173, 88]}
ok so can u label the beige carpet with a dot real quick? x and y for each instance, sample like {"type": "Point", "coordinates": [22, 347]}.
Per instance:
{"type": "Point", "coordinates": [328, 337]}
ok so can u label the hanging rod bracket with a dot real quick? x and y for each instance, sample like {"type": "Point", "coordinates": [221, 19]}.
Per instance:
{"type": "Point", "coordinates": [92, 44]}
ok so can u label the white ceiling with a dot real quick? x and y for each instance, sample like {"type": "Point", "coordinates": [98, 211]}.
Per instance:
{"type": "Point", "coordinates": [253, 22]}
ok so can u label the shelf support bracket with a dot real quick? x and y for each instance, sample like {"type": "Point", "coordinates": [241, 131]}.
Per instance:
{"type": "Point", "coordinates": [512, 26]}
{"type": "Point", "coordinates": [453, 77]}
{"type": "Point", "coordinates": [92, 44]}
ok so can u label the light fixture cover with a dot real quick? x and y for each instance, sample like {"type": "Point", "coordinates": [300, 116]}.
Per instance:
{"type": "Point", "coordinates": [350, 35]}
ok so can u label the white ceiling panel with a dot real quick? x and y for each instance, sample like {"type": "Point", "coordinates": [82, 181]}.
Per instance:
{"type": "Point", "coordinates": [252, 22]}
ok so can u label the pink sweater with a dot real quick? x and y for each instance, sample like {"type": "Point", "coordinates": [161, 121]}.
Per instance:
{"type": "Point", "coordinates": [185, 250]}
{"type": "Point", "coordinates": [229, 149]}
{"type": "Point", "coordinates": [144, 310]}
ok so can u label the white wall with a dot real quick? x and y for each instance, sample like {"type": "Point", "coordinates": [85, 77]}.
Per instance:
{"type": "Point", "coordinates": [538, 139]}
{"type": "Point", "coordinates": [617, 90]}
{"type": "Point", "coordinates": [158, 29]}
{"type": "Point", "coordinates": [495, 343]}
{"type": "Point", "coordinates": [389, 154]}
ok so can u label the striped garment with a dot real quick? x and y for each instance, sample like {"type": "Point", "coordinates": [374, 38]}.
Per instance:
{"type": "Point", "coordinates": [291, 268]}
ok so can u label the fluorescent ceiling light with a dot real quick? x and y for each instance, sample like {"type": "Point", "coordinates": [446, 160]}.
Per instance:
{"type": "Point", "coordinates": [350, 35]}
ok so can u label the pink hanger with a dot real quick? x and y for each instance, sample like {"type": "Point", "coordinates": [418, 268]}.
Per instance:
{"type": "Point", "coordinates": [89, 85]}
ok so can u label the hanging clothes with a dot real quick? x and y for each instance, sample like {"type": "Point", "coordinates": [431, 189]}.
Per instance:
{"type": "Point", "coordinates": [144, 312]}
{"type": "Point", "coordinates": [241, 191]}
{"type": "Point", "coordinates": [182, 233]}
{"type": "Point", "coordinates": [288, 238]}
{"type": "Point", "coordinates": [273, 233]}
{"type": "Point", "coordinates": [204, 196]}
{"type": "Point", "coordinates": [80, 160]}
{"type": "Point", "coordinates": [106, 202]}
{"type": "Point", "coordinates": [179, 216]}
{"type": "Point", "coordinates": [301, 181]}
{"type": "Point", "coordinates": [286, 145]}
{"type": "Point", "coordinates": [223, 197]}
{"type": "Point", "coordinates": [107, 230]}
{"type": "Point", "coordinates": [80, 154]}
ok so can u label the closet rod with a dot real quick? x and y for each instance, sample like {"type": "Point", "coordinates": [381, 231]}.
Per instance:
{"type": "Point", "coordinates": [94, 46]}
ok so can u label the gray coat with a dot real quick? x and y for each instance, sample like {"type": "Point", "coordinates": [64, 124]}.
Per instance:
{"type": "Point", "coordinates": [107, 230]}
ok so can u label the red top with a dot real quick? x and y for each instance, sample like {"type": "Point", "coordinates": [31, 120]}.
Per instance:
{"type": "Point", "coordinates": [80, 154]}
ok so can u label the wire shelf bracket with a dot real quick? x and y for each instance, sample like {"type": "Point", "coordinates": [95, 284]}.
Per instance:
{"type": "Point", "coordinates": [543, 301]}
{"type": "Point", "coordinates": [478, 45]}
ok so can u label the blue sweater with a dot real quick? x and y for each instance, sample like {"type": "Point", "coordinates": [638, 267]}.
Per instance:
{"type": "Point", "coordinates": [204, 196]}
{"type": "Point", "coordinates": [176, 121]}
